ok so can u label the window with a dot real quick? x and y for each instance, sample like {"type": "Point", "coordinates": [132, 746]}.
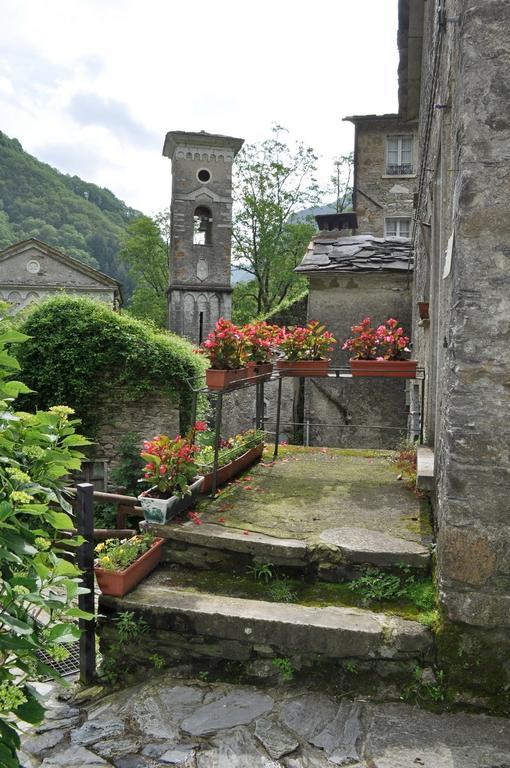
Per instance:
{"type": "Point", "coordinates": [399, 155]}
{"type": "Point", "coordinates": [202, 226]}
{"type": "Point", "coordinates": [397, 227]}
{"type": "Point", "coordinates": [204, 175]}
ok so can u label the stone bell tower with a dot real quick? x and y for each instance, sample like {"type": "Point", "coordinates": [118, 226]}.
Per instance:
{"type": "Point", "coordinates": [201, 230]}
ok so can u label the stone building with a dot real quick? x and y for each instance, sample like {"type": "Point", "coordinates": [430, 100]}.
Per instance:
{"type": "Point", "coordinates": [462, 271]}
{"type": "Point", "coordinates": [350, 278]}
{"type": "Point", "coordinates": [385, 164]}
{"type": "Point", "coordinates": [201, 230]}
{"type": "Point", "coordinates": [32, 270]}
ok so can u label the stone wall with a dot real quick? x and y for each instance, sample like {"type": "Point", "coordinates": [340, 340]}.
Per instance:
{"type": "Point", "coordinates": [462, 267]}
{"type": "Point", "coordinates": [341, 301]}
{"type": "Point", "coordinates": [143, 419]}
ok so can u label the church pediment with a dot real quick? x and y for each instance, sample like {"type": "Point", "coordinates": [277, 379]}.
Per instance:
{"type": "Point", "coordinates": [203, 194]}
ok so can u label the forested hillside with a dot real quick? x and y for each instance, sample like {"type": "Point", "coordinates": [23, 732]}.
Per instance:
{"type": "Point", "coordinates": [83, 220]}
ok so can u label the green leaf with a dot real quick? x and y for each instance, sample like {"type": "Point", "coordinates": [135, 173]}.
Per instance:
{"type": "Point", "coordinates": [12, 336]}
{"type": "Point", "coordinates": [32, 711]}
{"type": "Point", "coordinates": [63, 633]}
{"type": "Point", "coordinates": [59, 520]}
{"type": "Point", "coordinates": [15, 388]}
{"type": "Point", "coordinates": [63, 568]}
{"type": "Point", "coordinates": [77, 613]}
{"type": "Point", "coordinates": [16, 625]}
{"type": "Point", "coordinates": [76, 440]}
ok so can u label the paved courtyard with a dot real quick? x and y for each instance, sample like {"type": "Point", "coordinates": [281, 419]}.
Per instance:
{"type": "Point", "coordinates": [307, 491]}
{"type": "Point", "coordinates": [168, 721]}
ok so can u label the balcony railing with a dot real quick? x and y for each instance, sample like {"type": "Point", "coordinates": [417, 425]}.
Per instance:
{"type": "Point", "coordinates": [403, 169]}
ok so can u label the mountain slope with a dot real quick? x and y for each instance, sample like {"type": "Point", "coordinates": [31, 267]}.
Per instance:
{"type": "Point", "coordinates": [81, 219]}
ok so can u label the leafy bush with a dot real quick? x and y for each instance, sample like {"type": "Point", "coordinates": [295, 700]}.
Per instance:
{"type": "Point", "coordinates": [80, 348]}
{"type": "Point", "coordinates": [37, 452]}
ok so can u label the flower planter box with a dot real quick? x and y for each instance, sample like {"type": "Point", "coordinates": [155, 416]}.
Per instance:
{"type": "Point", "coordinates": [303, 367]}
{"type": "Point", "coordinates": [260, 371]}
{"type": "Point", "coordinates": [161, 510]}
{"type": "Point", "coordinates": [402, 369]}
{"type": "Point", "coordinates": [233, 468]}
{"type": "Point", "coordinates": [119, 583]}
{"type": "Point", "coordinates": [224, 378]}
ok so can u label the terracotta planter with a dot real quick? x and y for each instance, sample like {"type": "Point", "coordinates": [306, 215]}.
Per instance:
{"type": "Point", "coordinates": [402, 369]}
{"type": "Point", "coordinates": [159, 511]}
{"type": "Point", "coordinates": [260, 371]}
{"type": "Point", "coordinates": [224, 378]}
{"type": "Point", "coordinates": [119, 583]}
{"type": "Point", "coordinates": [303, 367]}
{"type": "Point", "coordinates": [234, 468]}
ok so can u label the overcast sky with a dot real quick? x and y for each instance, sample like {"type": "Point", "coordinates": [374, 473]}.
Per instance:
{"type": "Point", "coordinates": [92, 86]}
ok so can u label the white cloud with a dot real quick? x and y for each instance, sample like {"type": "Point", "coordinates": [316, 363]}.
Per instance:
{"type": "Point", "coordinates": [110, 78]}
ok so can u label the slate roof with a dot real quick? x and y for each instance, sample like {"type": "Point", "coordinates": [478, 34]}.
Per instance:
{"type": "Point", "coordinates": [358, 253]}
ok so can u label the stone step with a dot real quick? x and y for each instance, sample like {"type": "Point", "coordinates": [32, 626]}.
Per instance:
{"type": "Point", "coordinates": [207, 545]}
{"type": "Point", "coordinates": [186, 625]}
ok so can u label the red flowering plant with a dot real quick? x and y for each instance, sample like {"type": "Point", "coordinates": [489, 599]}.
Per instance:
{"type": "Point", "coordinates": [312, 342]}
{"type": "Point", "coordinates": [260, 339]}
{"type": "Point", "coordinates": [386, 342]}
{"type": "Point", "coordinates": [171, 463]}
{"type": "Point", "coordinates": [225, 346]}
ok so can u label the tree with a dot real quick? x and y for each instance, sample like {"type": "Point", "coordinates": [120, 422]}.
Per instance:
{"type": "Point", "coordinates": [341, 182]}
{"type": "Point", "coordinates": [273, 180]}
{"type": "Point", "coordinates": [144, 252]}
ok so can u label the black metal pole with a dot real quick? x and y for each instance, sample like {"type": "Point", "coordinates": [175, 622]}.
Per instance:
{"type": "Point", "coordinates": [85, 560]}
{"type": "Point", "coordinates": [277, 426]}
{"type": "Point", "coordinates": [262, 409]}
{"type": "Point", "coordinates": [217, 432]}
{"type": "Point", "coordinates": [194, 408]}
{"type": "Point", "coordinates": [422, 408]}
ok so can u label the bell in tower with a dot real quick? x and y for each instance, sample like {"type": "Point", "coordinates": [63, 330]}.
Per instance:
{"type": "Point", "coordinates": [201, 230]}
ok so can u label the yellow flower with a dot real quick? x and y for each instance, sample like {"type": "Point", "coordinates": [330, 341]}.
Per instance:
{"type": "Point", "coordinates": [100, 547]}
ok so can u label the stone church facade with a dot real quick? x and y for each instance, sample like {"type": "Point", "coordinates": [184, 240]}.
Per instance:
{"type": "Point", "coordinates": [201, 231]}
{"type": "Point", "coordinates": [32, 270]}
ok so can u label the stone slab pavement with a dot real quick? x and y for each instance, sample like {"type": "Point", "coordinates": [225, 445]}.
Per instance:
{"type": "Point", "coordinates": [169, 721]}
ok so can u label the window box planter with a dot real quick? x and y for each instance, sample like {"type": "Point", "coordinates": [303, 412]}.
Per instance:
{"type": "Point", "coordinates": [303, 367]}
{"type": "Point", "coordinates": [402, 369]}
{"type": "Point", "coordinates": [159, 511]}
{"type": "Point", "coordinates": [233, 468]}
{"type": "Point", "coordinates": [260, 371]}
{"type": "Point", "coordinates": [119, 583]}
{"type": "Point", "coordinates": [223, 378]}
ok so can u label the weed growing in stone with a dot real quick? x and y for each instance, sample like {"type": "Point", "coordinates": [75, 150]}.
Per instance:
{"type": "Point", "coordinates": [285, 668]}
{"type": "Point", "coordinates": [157, 661]}
{"type": "Point", "coordinates": [376, 586]}
{"type": "Point", "coordinates": [116, 664]}
{"type": "Point", "coordinates": [281, 592]}
{"type": "Point", "coordinates": [262, 572]}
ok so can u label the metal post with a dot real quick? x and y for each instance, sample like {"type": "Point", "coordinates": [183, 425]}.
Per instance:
{"type": "Point", "coordinates": [194, 407]}
{"type": "Point", "coordinates": [85, 560]}
{"type": "Point", "coordinates": [307, 432]}
{"type": "Point", "coordinates": [422, 408]}
{"type": "Point", "coordinates": [277, 426]}
{"type": "Point", "coordinates": [217, 432]}
{"type": "Point", "coordinates": [262, 406]}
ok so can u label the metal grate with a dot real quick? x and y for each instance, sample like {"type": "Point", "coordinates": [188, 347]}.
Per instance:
{"type": "Point", "coordinates": [69, 666]}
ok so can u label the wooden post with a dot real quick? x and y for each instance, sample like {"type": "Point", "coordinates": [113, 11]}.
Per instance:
{"type": "Point", "coordinates": [85, 558]}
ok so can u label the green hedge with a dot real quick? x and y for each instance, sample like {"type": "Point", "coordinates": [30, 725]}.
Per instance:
{"type": "Point", "coordinates": [79, 349]}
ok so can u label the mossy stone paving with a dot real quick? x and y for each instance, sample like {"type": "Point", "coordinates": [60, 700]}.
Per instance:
{"type": "Point", "coordinates": [309, 490]}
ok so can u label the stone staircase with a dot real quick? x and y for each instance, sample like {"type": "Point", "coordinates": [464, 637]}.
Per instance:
{"type": "Point", "coordinates": [211, 630]}
{"type": "Point", "coordinates": [309, 523]}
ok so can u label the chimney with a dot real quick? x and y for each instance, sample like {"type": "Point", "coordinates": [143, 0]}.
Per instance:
{"type": "Point", "coordinates": [332, 222]}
